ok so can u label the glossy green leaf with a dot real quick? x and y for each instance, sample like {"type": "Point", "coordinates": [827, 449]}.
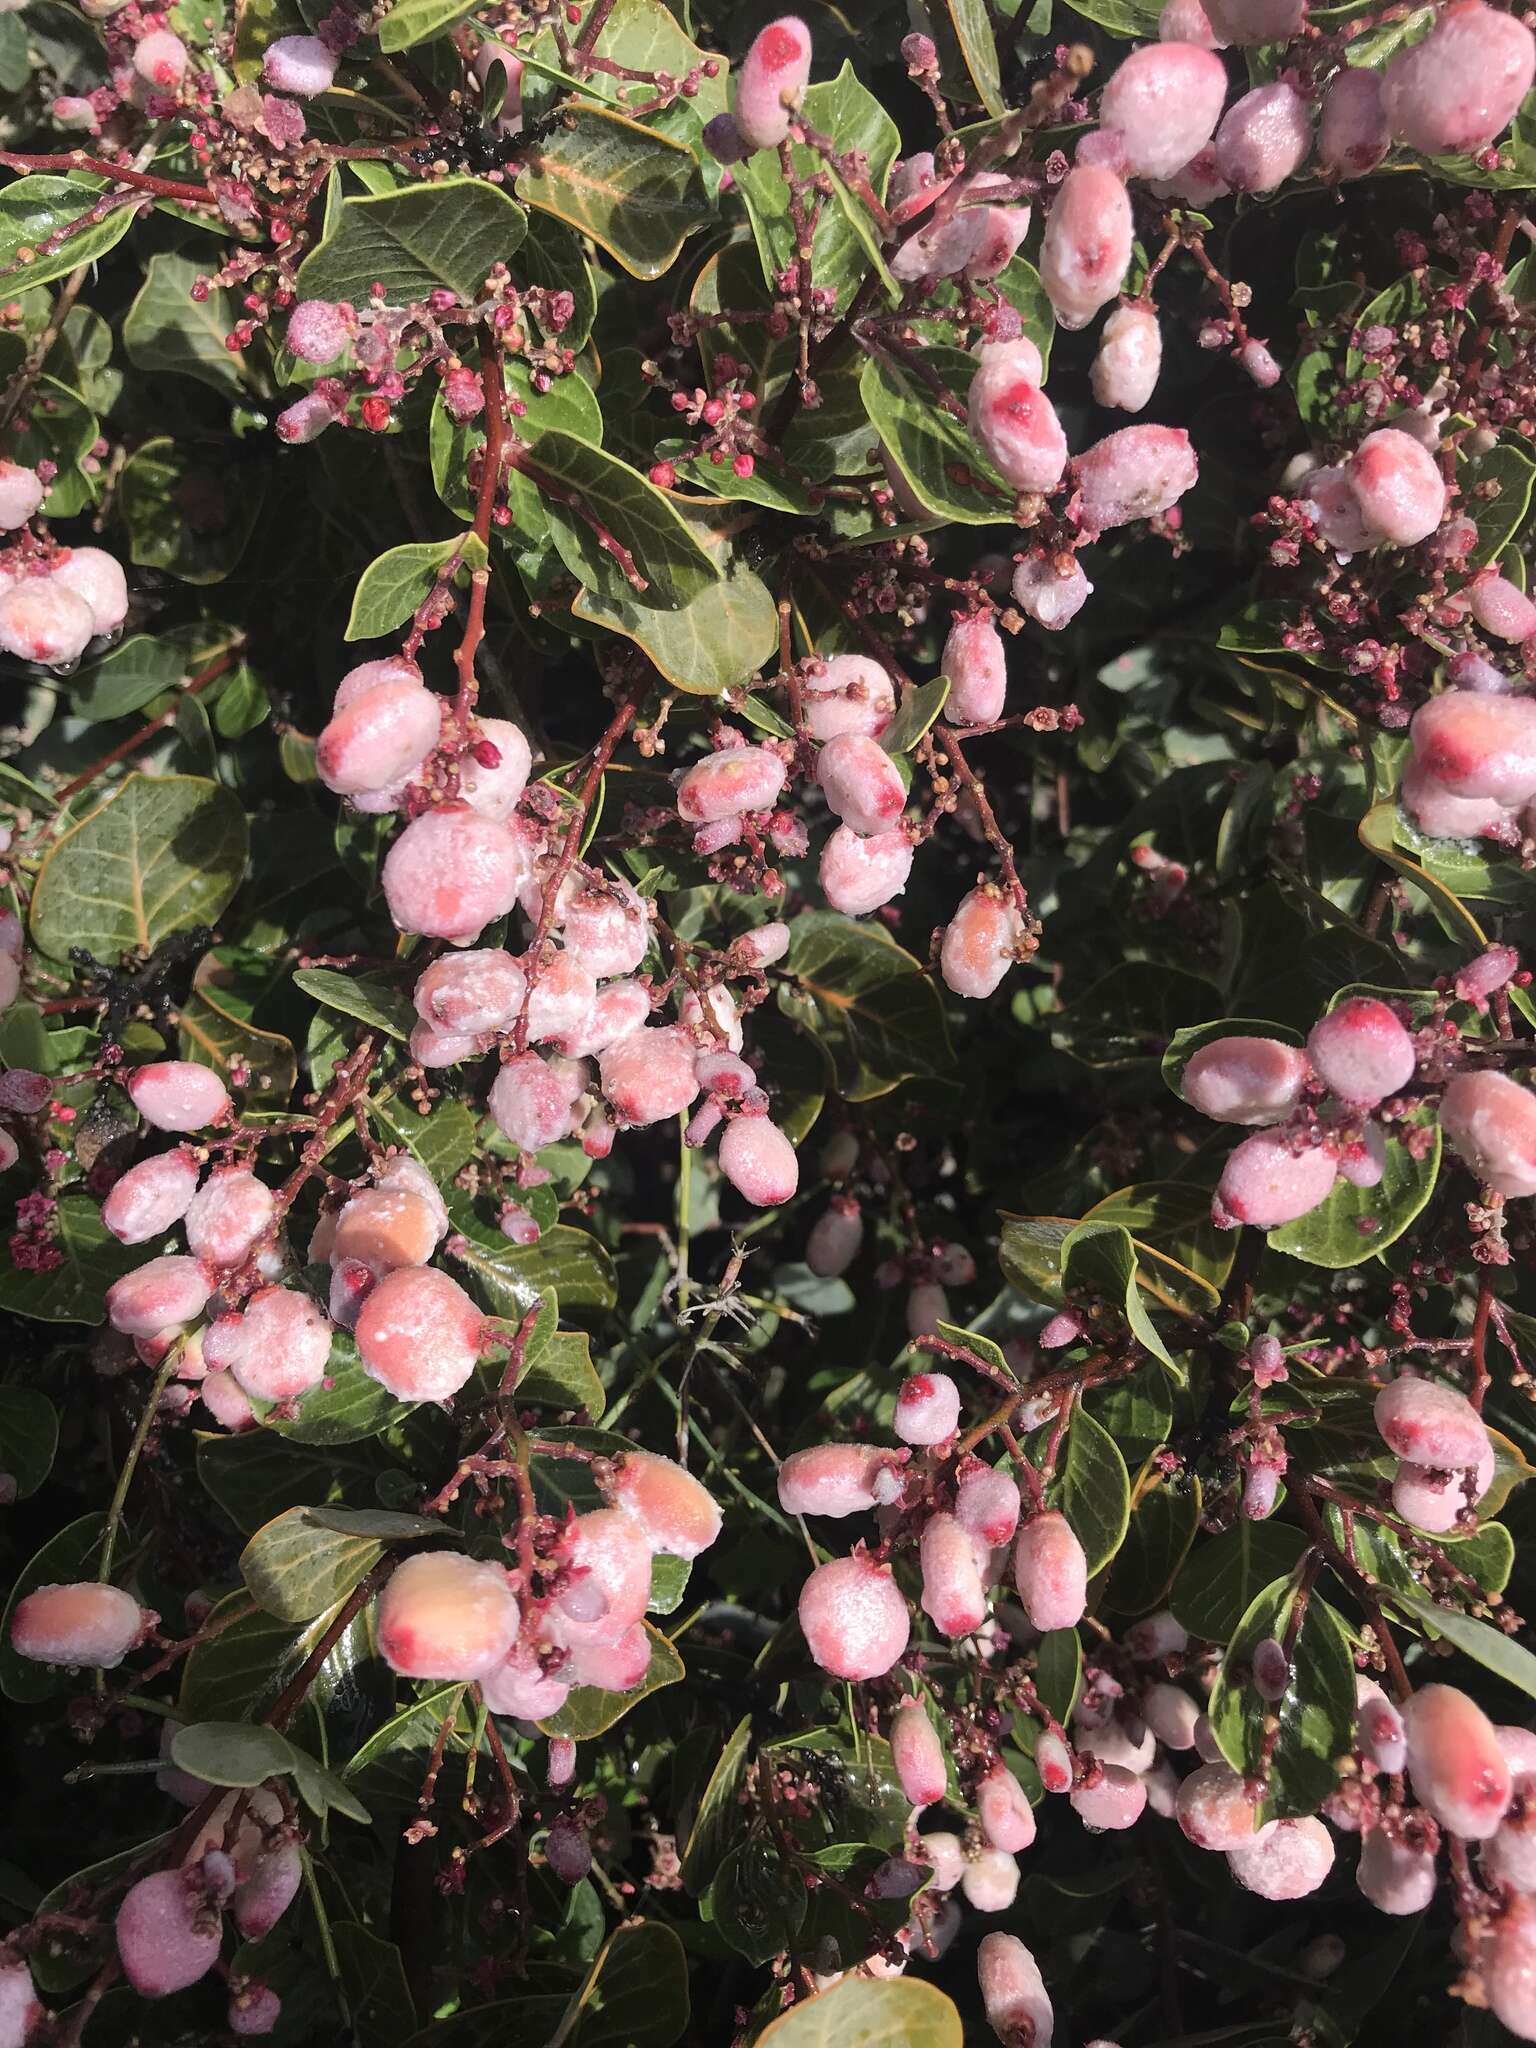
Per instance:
{"type": "Point", "coordinates": [443, 236]}
{"type": "Point", "coordinates": [1222, 1577]}
{"type": "Point", "coordinates": [637, 193]}
{"type": "Point", "coordinates": [870, 1003]}
{"type": "Point", "coordinates": [392, 588]}
{"type": "Point", "coordinates": [29, 1435]}
{"type": "Point", "coordinates": [1093, 1490]}
{"type": "Point", "coordinates": [37, 216]}
{"type": "Point", "coordinates": [1317, 1714]}
{"type": "Point", "coordinates": [1354, 1224]}
{"type": "Point", "coordinates": [590, 1712]}
{"type": "Point", "coordinates": [865, 2012]}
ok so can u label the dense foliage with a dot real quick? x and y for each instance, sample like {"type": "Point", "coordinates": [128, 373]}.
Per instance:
{"type": "Point", "coordinates": [765, 824]}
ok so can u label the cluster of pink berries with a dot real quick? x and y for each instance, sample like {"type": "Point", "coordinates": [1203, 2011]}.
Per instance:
{"type": "Point", "coordinates": [1473, 771]}
{"type": "Point", "coordinates": [53, 601]}
{"type": "Point", "coordinates": [1360, 1057]}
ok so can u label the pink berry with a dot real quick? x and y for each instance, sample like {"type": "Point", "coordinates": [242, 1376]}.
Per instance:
{"type": "Point", "coordinates": [1459, 1773]}
{"type": "Point", "coordinates": [1135, 474]}
{"type": "Point", "coordinates": [1215, 1809]}
{"type": "Point", "coordinates": [1013, 1992]}
{"type": "Point", "coordinates": [861, 873]}
{"type": "Point", "coordinates": [20, 2009]}
{"type": "Point", "coordinates": [476, 991]}
{"type": "Point", "coordinates": [1435, 1500]}
{"type": "Point", "coordinates": [1247, 22]}
{"type": "Point", "coordinates": [167, 1933]}
{"type": "Point", "coordinates": [1164, 101]}
{"type": "Point", "coordinates": [945, 1855]}
{"type": "Point", "coordinates": [1430, 1424]}
{"type": "Point", "coordinates": [927, 1408]}
{"type": "Point", "coordinates": [853, 1617]}
{"type": "Point", "coordinates": [228, 1216]}
{"type": "Point", "coordinates": [1050, 1572]}
{"type": "Point", "coordinates": [444, 1615]}
{"type": "Point", "coordinates": [860, 782]}
{"type": "Point", "coordinates": [1362, 1052]}
{"type": "Point", "coordinates": [1258, 363]}
{"type": "Point", "coordinates": [1087, 244]}
{"type": "Point", "coordinates": [267, 1888]}
{"type": "Point", "coordinates": [987, 1505]}
{"type": "Point", "coordinates": [977, 667]}
{"type": "Point", "coordinates": [284, 1345]}
{"type": "Point", "coordinates": [725, 783]}
{"type": "Point", "coordinates": [81, 1624]}
{"type": "Point", "coordinates": [1265, 1183]}
{"type": "Point", "coordinates": [494, 790]}
{"type": "Point", "coordinates": [21, 492]}
{"type": "Point", "coordinates": [1003, 1808]}
{"type": "Point", "coordinates": [772, 81]}
{"type": "Point", "coordinates": [97, 579]}
{"type": "Point", "coordinates": [1130, 355]}
{"type": "Point", "coordinates": [379, 739]}
{"type": "Point", "coordinates": [759, 1161]}
{"type": "Point", "coordinates": [1353, 136]}
{"type": "Point", "coordinates": [1264, 139]}
{"type": "Point", "coordinates": [178, 1095]}
{"type": "Point", "coordinates": [1170, 1715]}
{"type": "Point", "coordinates": [1011, 418]}
{"type": "Point", "coordinates": [650, 1075]}
{"type": "Point", "coordinates": [1116, 1801]}
{"type": "Point", "coordinates": [927, 1307]}
{"type": "Point", "coordinates": [1157, 1636]}
{"type": "Point", "coordinates": [519, 1686]}
{"type": "Point", "coordinates": [42, 620]}
{"type": "Point", "coordinates": [160, 59]}
{"type": "Point", "coordinates": [254, 2009]}
{"type": "Point", "coordinates": [612, 1667]}
{"type": "Point", "coordinates": [161, 1295]}
{"type": "Point", "coordinates": [1510, 1857]}
{"type": "Point", "coordinates": [150, 1197]}
{"type": "Point", "coordinates": [1050, 594]}
{"type": "Point", "coordinates": [1245, 1080]}
{"type": "Point", "coordinates": [998, 233]}
{"type": "Point", "coordinates": [307, 419]}
{"type": "Point", "coordinates": [562, 997]}
{"type": "Point", "coordinates": [533, 1100]}
{"type": "Point", "coordinates": [1460, 88]}
{"type": "Point", "coordinates": [980, 943]}
{"type": "Point", "coordinates": [918, 1755]}
{"type": "Point", "coordinates": [674, 1512]}
{"type": "Point", "coordinates": [1509, 1971]}
{"type": "Point", "coordinates": [850, 694]}
{"type": "Point", "coordinates": [990, 1882]}
{"type": "Point", "coordinates": [1476, 745]}
{"type": "Point", "coordinates": [603, 923]}
{"type": "Point", "coordinates": [617, 1012]}
{"type": "Point", "coordinates": [1287, 1859]}
{"type": "Point", "coordinates": [1186, 21]}
{"type": "Point", "coordinates": [608, 1571]}
{"type": "Point", "coordinates": [227, 1402]}
{"type": "Point", "coordinates": [386, 1227]}
{"type": "Point", "coordinates": [835, 1238]}
{"type": "Point", "coordinates": [1379, 1732]}
{"type": "Point", "coordinates": [373, 675]}
{"type": "Point", "coordinates": [451, 872]}
{"type": "Point", "coordinates": [837, 1479]}
{"type": "Point", "coordinates": [1440, 814]}
{"type": "Point", "coordinates": [1398, 486]}
{"type": "Point", "coordinates": [953, 1596]}
{"type": "Point", "coordinates": [302, 65]}
{"type": "Point", "coordinates": [1396, 1875]}
{"type": "Point", "coordinates": [419, 1334]}
{"type": "Point", "coordinates": [1499, 608]}
{"type": "Point", "coordinates": [318, 331]}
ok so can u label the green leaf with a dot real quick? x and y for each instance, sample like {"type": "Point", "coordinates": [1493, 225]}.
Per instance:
{"type": "Point", "coordinates": [71, 1292]}
{"type": "Point", "coordinates": [933, 449]}
{"type": "Point", "coordinates": [296, 1567]}
{"type": "Point", "coordinates": [636, 1993]}
{"type": "Point", "coordinates": [247, 1663]}
{"type": "Point", "coordinates": [985, 1349]}
{"type": "Point", "coordinates": [29, 1436]}
{"type": "Point", "coordinates": [1353, 1224]}
{"type": "Point", "coordinates": [590, 1712]}
{"type": "Point", "coordinates": [365, 997]}
{"type": "Point", "coordinates": [637, 193]}
{"type": "Point", "coordinates": [978, 47]}
{"type": "Point", "coordinates": [186, 512]}
{"type": "Point", "coordinates": [415, 21]}
{"type": "Point", "coordinates": [69, 1555]}
{"type": "Point", "coordinates": [378, 1994]}
{"type": "Point", "coordinates": [510, 1278]}
{"type": "Point", "coordinates": [718, 1818]}
{"type": "Point", "coordinates": [36, 215]}
{"type": "Point", "coordinates": [757, 1901]}
{"type": "Point", "coordinates": [1129, 19]}
{"type": "Point", "coordinates": [918, 709]}
{"type": "Point", "coordinates": [345, 1408]}
{"type": "Point", "coordinates": [1502, 513]}
{"type": "Point", "coordinates": [1165, 1514]}
{"type": "Point", "coordinates": [642, 519]}
{"type": "Point", "coordinates": [445, 236]}
{"type": "Point", "coordinates": [167, 330]}
{"type": "Point", "coordinates": [235, 1753]}
{"type": "Point", "coordinates": [443, 1141]}
{"type": "Point", "coordinates": [128, 677]}
{"type": "Point", "coordinates": [1093, 1489]}
{"type": "Point", "coordinates": [1030, 1254]}
{"type": "Point", "coordinates": [865, 2012]}
{"type": "Point", "coordinates": [1488, 1646]}
{"type": "Point", "coordinates": [563, 1376]}
{"type": "Point", "coordinates": [396, 583]}
{"type": "Point", "coordinates": [261, 1068]}
{"type": "Point", "coordinates": [162, 854]}
{"type": "Point", "coordinates": [1316, 1716]}
{"type": "Point", "coordinates": [870, 1003]}
{"type": "Point", "coordinates": [1222, 1577]}
{"type": "Point", "coordinates": [1099, 1261]}
{"type": "Point", "coordinates": [718, 639]}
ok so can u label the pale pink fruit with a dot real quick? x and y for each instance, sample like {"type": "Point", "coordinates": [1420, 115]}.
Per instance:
{"type": "Point", "coordinates": [302, 65]}
{"type": "Point", "coordinates": [533, 1100]}
{"type": "Point", "coordinates": [712, 1021]}
{"type": "Point", "coordinates": [1477, 745]}
{"type": "Point", "coordinates": [1519, 1745]}
{"type": "Point", "coordinates": [674, 1510]}
{"type": "Point", "coordinates": [1003, 1808]}
{"type": "Point", "coordinates": [1265, 1183]}
{"type": "Point", "coordinates": [1013, 1992]}
{"type": "Point", "coordinates": [1244, 1080]}
{"type": "Point", "coordinates": [1050, 1572]}
{"type": "Point", "coordinates": [160, 59]}
{"type": "Point", "coordinates": [1460, 88]}
{"type": "Point", "coordinates": [612, 1667]}
{"type": "Point", "coordinates": [1397, 1876]}
{"type": "Point", "coordinates": [1458, 1771]}
{"type": "Point", "coordinates": [1170, 1715]}
{"type": "Point", "coordinates": [1509, 1971]}
{"type": "Point", "coordinates": [759, 1161]}
{"type": "Point", "coordinates": [228, 1215]}
{"type": "Point", "coordinates": [862, 873]}
{"type": "Point", "coordinates": [1285, 1860]}
{"type": "Point", "coordinates": [1017, 357]}
{"type": "Point", "coordinates": [979, 943]}
{"type": "Point", "coordinates": [1264, 138]}
{"type": "Point", "coordinates": [617, 1011]}
{"type": "Point", "coordinates": [284, 1347]}
{"type": "Point", "coordinates": [853, 1617]}
{"type": "Point", "coordinates": [603, 923]}
{"type": "Point", "coordinates": [254, 2009]}
{"type": "Point", "coordinates": [379, 739]}
{"type": "Point", "coordinates": [943, 248]}
{"type": "Point", "coordinates": [976, 663]}
{"type": "Point", "coordinates": [1398, 486]}
{"type": "Point", "coordinates": [607, 1581]}
{"type": "Point", "coordinates": [267, 1888]}
{"type": "Point", "coordinates": [650, 1074]}
{"type": "Point", "coordinates": [160, 1295]}
{"type": "Point", "coordinates": [1259, 364]}
{"type": "Point", "coordinates": [1011, 418]}
{"type": "Point", "coordinates": [562, 997]}
{"type": "Point", "coordinates": [1164, 101]}
{"type": "Point", "coordinates": [226, 1401]}
{"type": "Point", "coordinates": [1430, 1424]}
{"type": "Point", "coordinates": [1087, 245]}
{"type": "Point", "coordinates": [772, 80]}
{"type": "Point", "coordinates": [444, 1615]}
{"type": "Point", "coordinates": [1246, 22]}
{"type": "Point", "coordinates": [1362, 1052]}
{"type": "Point", "coordinates": [850, 694]}
{"type": "Point", "coordinates": [1157, 1636]}
{"type": "Point", "coordinates": [42, 620]}
{"type": "Point", "coordinates": [987, 1505]}
{"type": "Point", "coordinates": [97, 579]}
{"type": "Point", "coordinates": [1112, 1742]}
{"type": "Point", "coordinates": [860, 783]}
{"type": "Point", "coordinates": [178, 1095]}
{"type": "Point", "coordinates": [837, 1479]}
{"type": "Point", "coordinates": [1053, 1760]}
{"type": "Point", "coordinates": [1130, 354]}
{"type": "Point", "coordinates": [1116, 1801]}
{"type": "Point", "coordinates": [1186, 21]}
{"type": "Point", "coordinates": [167, 1933]}
{"type": "Point", "coordinates": [494, 791]}
{"type": "Point", "coordinates": [1329, 499]}
{"type": "Point", "coordinates": [1048, 593]}
{"type": "Point", "coordinates": [927, 1307]}
{"type": "Point", "coordinates": [1434, 1500]}
{"type": "Point", "coordinates": [725, 783]}
{"type": "Point", "coordinates": [451, 872]}
{"type": "Point", "coordinates": [477, 991]}
{"type": "Point", "coordinates": [1135, 474]}
{"type": "Point", "coordinates": [927, 1408]}
{"type": "Point", "coordinates": [419, 1334]}
{"type": "Point", "coordinates": [371, 675]}
{"type": "Point", "coordinates": [835, 1238]}
{"type": "Point", "coordinates": [20, 2009]}
{"type": "Point", "coordinates": [79, 1624]}
{"type": "Point", "coordinates": [318, 331]}
{"type": "Point", "coordinates": [150, 1197]}
{"type": "Point", "coordinates": [21, 492]}
{"type": "Point", "coordinates": [945, 1853]}
{"type": "Point", "coordinates": [914, 185]}
{"type": "Point", "coordinates": [519, 1686]}
{"type": "Point", "coordinates": [1501, 609]}
{"type": "Point", "coordinates": [953, 1596]}
{"type": "Point", "coordinates": [917, 1754]}
{"type": "Point", "coordinates": [1215, 1810]}
{"type": "Point", "coordinates": [1437, 812]}
{"type": "Point", "coordinates": [1001, 229]}
{"type": "Point", "coordinates": [990, 1881]}
{"type": "Point", "coordinates": [1510, 1857]}
{"type": "Point", "coordinates": [386, 1227]}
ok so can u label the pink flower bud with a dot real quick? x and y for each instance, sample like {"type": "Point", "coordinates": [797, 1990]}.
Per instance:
{"type": "Point", "coordinates": [1265, 1183]}
{"type": "Point", "coordinates": [1243, 1080]}
{"type": "Point", "coordinates": [1087, 246]}
{"type": "Point", "coordinates": [1458, 1771]}
{"type": "Point", "coordinates": [302, 65]}
{"type": "Point", "coordinates": [1050, 1572]}
{"type": "Point", "coordinates": [772, 81]}
{"type": "Point", "coordinates": [918, 1755]}
{"type": "Point", "coordinates": [1164, 100]}
{"type": "Point", "coordinates": [853, 1617]}
{"type": "Point", "coordinates": [419, 1334]}
{"type": "Point", "coordinates": [1460, 88]}
{"type": "Point", "coordinates": [1135, 474]}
